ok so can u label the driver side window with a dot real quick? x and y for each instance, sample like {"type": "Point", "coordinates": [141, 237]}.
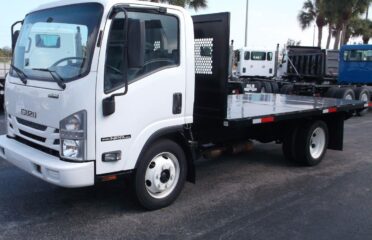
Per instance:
{"type": "Point", "coordinates": [161, 47]}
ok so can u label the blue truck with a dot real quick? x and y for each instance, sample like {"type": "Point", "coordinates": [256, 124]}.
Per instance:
{"type": "Point", "coordinates": [356, 65]}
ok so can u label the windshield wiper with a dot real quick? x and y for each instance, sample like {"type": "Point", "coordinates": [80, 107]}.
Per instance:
{"type": "Point", "coordinates": [20, 74]}
{"type": "Point", "coordinates": [56, 77]}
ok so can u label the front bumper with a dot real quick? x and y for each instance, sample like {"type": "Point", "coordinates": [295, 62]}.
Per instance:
{"type": "Point", "coordinates": [47, 167]}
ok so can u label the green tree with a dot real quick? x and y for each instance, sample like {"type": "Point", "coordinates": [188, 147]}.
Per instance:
{"type": "Point", "coordinates": [342, 12]}
{"type": "Point", "coordinates": [313, 12]}
{"type": "Point", "coordinates": [195, 4]}
{"type": "Point", "coordinates": [331, 19]}
{"type": "Point", "coordinates": [5, 52]}
{"type": "Point", "coordinates": [359, 28]}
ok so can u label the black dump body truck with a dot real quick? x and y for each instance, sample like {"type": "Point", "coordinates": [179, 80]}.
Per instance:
{"type": "Point", "coordinates": [311, 64]}
{"type": "Point", "coordinates": [309, 71]}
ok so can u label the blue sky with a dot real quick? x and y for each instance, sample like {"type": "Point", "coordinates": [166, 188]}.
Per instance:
{"type": "Point", "coordinates": [270, 21]}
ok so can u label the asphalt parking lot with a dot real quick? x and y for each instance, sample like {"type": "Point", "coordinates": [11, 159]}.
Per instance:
{"type": "Point", "coordinates": [258, 195]}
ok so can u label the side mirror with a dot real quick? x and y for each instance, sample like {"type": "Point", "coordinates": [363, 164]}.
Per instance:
{"type": "Point", "coordinates": [136, 44]}
{"type": "Point", "coordinates": [15, 36]}
{"type": "Point", "coordinates": [108, 106]}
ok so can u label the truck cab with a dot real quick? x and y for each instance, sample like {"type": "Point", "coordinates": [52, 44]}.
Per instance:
{"type": "Point", "coordinates": [100, 50]}
{"type": "Point", "coordinates": [255, 63]}
{"type": "Point", "coordinates": [355, 64]}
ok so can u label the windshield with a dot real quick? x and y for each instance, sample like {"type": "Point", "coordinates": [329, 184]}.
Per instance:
{"type": "Point", "coordinates": [60, 39]}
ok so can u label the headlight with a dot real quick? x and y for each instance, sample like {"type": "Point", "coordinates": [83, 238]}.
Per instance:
{"type": "Point", "coordinates": [73, 136]}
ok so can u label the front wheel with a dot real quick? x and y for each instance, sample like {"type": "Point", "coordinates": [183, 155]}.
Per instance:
{"type": "Point", "coordinates": [160, 175]}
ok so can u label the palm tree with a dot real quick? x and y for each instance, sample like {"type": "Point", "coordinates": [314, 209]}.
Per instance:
{"type": "Point", "coordinates": [331, 19]}
{"type": "Point", "coordinates": [356, 28]}
{"type": "Point", "coordinates": [359, 28]}
{"type": "Point", "coordinates": [343, 12]}
{"type": "Point", "coordinates": [195, 4]}
{"type": "Point", "coordinates": [313, 11]}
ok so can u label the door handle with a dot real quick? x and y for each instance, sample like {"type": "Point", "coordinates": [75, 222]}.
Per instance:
{"type": "Point", "coordinates": [177, 103]}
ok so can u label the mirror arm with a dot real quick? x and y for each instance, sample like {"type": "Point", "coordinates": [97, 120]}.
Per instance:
{"type": "Point", "coordinates": [125, 55]}
{"type": "Point", "coordinates": [12, 33]}
{"type": "Point", "coordinates": [108, 104]}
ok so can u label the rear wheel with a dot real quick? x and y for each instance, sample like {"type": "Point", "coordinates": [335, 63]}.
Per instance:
{"type": "Point", "coordinates": [266, 88]}
{"type": "Point", "coordinates": [311, 143]}
{"type": "Point", "coordinates": [160, 175]}
{"type": "Point", "coordinates": [287, 89]}
{"type": "Point", "coordinates": [362, 94]}
{"type": "Point", "coordinates": [345, 93]}
{"type": "Point", "coordinates": [274, 87]}
{"type": "Point", "coordinates": [331, 93]}
{"type": "Point", "coordinates": [258, 86]}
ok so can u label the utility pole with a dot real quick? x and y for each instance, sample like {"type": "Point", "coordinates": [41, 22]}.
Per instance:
{"type": "Point", "coordinates": [314, 36]}
{"type": "Point", "coordinates": [246, 24]}
{"type": "Point", "coordinates": [367, 13]}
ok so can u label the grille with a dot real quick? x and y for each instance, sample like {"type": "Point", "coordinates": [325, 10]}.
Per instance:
{"type": "Point", "coordinates": [31, 124]}
{"type": "Point", "coordinates": [41, 135]}
{"type": "Point", "coordinates": [38, 146]}
{"type": "Point", "coordinates": [29, 135]}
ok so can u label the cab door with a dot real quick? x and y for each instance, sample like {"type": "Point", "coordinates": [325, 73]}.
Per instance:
{"type": "Point", "coordinates": [156, 91]}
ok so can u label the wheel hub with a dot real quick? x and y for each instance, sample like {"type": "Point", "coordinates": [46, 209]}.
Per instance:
{"type": "Point", "coordinates": [348, 97]}
{"type": "Point", "coordinates": [364, 97]}
{"type": "Point", "coordinates": [162, 175]}
{"type": "Point", "coordinates": [165, 176]}
{"type": "Point", "coordinates": [317, 143]}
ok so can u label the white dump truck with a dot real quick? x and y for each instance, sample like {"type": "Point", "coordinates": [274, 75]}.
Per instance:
{"type": "Point", "coordinates": [255, 63]}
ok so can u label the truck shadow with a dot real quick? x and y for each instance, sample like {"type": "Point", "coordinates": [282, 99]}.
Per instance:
{"type": "Point", "coordinates": [117, 198]}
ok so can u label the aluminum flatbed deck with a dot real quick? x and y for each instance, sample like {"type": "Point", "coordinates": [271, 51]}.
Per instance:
{"type": "Point", "coordinates": [256, 108]}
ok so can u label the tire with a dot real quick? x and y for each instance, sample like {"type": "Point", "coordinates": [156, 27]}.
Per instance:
{"type": "Point", "coordinates": [274, 87]}
{"type": "Point", "coordinates": [288, 146]}
{"type": "Point", "coordinates": [331, 93]}
{"type": "Point", "coordinates": [345, 93]}
{"type": "Point", "coordinates": [267, 87]}
{"type": "Point", "coordinates": [258, 85]}
{"type": "Point", "coordinates": [287, 89]}
{"type": "Point", "coordinates": [311, 143]}
{"type": "Point", "coordinates": [362, 94]}
{"type": "Point", "coordinates": [160, 175]}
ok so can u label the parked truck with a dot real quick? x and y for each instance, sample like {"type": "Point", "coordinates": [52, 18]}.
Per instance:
{"type": "Point", "coordinates": [4, 68]}
{"type": "Point", "coordinates": [311, 71]}
{"type": "Point", "coordinates": [343, 74]}
{"type": "Point", "coordinates": [146, 97]}
{"type": "Point", "coordinates": [255, 63]}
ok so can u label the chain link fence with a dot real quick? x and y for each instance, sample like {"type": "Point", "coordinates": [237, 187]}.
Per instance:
{"type": "Point", "coordinates": [4, 66]}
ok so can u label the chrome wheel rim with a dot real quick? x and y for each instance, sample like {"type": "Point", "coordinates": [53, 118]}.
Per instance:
{"type": "Point", "coordinates": [162, 175]}
{"type": "Point", "coordinates": [348, 97]}
{"type": "Point", "coordinates": [317, 143]}
{"type": "Point", "coordinates": [364, 97]}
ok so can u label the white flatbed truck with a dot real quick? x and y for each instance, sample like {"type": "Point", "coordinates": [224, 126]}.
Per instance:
{"type": "Point", "coordinates": [145, 96]}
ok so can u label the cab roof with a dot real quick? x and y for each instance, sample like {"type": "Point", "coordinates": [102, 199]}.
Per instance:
{"type": "Point", "coordinates": [105, 3]}
{"type": "Point", "coordinates": [357, 47]}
